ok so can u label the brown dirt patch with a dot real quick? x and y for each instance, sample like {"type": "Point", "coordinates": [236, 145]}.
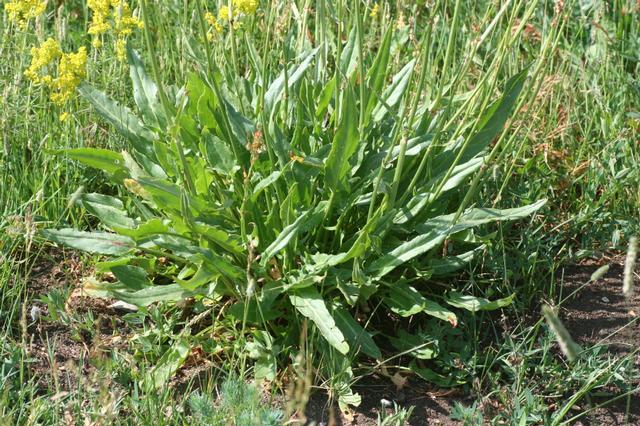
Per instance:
{"type": "Point", "coordinates": [599, 314]}
{"type": "Point", "coordinates": [62, 352]}
{"type": "Point", "coordinates": [431, 406]}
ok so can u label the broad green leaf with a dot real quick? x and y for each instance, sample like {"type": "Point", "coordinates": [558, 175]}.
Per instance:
{"type": "Point", "coordinates": [474, 304]}
{"type": "Point", "coordinates": [121, 118]}
{"type": "Point", "coordinates": [264, 184]}
{"type": "Point", "coordinates": [345, 144]}
{"type": "Point", "coordinates": [261, 308]}
{"type": "Point", "coordinates": [151, 228]}
{"type": "Point", "coordinates": [444, 381]}
{"type": "Point", "coordinates": [132, 277]}
{"type": "Point", "coordinates": [325, 97]}
{"type": "Point", "coordinates": [306, 220]}
{"type": "Point", "coordinates": [167, 195]}
{"type": "Point", "coordinates": [91, 242]}
{"type": "Point", "coordinates": [436, 230]}
{"type": "Point", "coordinates": [275, 90]}
{"type": "Point", "coordinates": [496, 115]}
{"type": "Point", "coordinates": [311, 305]}
{"type": "Point", "coordinates": [422, 199]}
{"type": "Point", "coordinates": [358, 248]}
{"type": "Point", "coordinates": [394, 93]}
{"type": "Point", "coordinates": [108, 209]}
{"type": "Point", "coordinates": [103, 159]}
{"type": "Point", "coordinates": [218, 155]}
{"type": "Point", "coordinates": [378, 72]}
{"type": "Point", "coordinates": [480, 216]}
{"type": "Point", "coordinates": [406, 301]}
{"type": "Point", "coordinates": [355, 335]}
{"type": "Point", "coordinates": [450, 264]}
{"type": "Point", "coordinates": [349, 56]}
{"type": "Point", "coordinates": [224, 240]}
{"type": "Point", "coordinates": [418, 345]}
{"type": "Point", "coordinates": [145, 91]}
{"type": "Point", "coordinates": [153, 294]}
{"type": "Point", "coordinates": [168, 364]}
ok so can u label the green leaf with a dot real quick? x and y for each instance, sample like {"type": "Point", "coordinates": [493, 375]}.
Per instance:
{"type": "Point", "coordinates": [295, 73]}
{"type": "Point", "coordinates": [133, 277]}
{"type": "Point", "coordinates": [153, 294]}
{"type": "Point", "coordinates": [393, 94]}
{"type": "Point", "coordinates": [355, 335]}
{"type": "Point", "coordinates": [310, 304]}
{"type": "Point", "coordinates": [121, 118]}
{"type": "Point", "coordinates": [167, 365]}
{"type": "Point", "coordinates": [378, 72]}
{"type": "Point", "coordinates": [460, 175]}
{"type": "Point", "coordinates": [151, 228]}
{"type": "Point", "coordinates": [264, 184]}
{"type": "Point", "coordinates": [307, 220]}
{"type": "Point", "coordinates": [406, 301]}
{"type": "Point", "coordinates": [98, 158]}
{"type": "Point", "coordinates": [218, 155]}
{"type": "Point", "coordinates": [108, 209]}
{"type": "Point", "coordinates": [450, 264]}
{"type": "Point", "coordinates": [345, 144]}
{"type": "Point", "coordinates": [436, 230]}
{"type": "Point", "coordinates": [91, 242]}
{"type": "Point", "coordinates": [474, 304]}
{"type": "Point", "coordinates": [418, 345]}
{"type": "Point", "coordinates": [349, 56]}
{"type": "Point", "coordinates": [145, 91]}
{"type": "Point", "coordinates": [168, 195]}
{"type": "Point", "coordinates": [496, 115]}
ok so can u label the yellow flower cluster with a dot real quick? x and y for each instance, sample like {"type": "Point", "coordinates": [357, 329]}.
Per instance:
{"type": "Point", "coordinates": [247, 7]}
{"type": "Point", "coordinates": [21, 11]}
{"type": "Point", "coordinates": [227, 14]}
{"type": "Point", "coordinates": [71, 69]}
{"type": "Point", "coordinates": [113, 15]}
{"type": "Point", "coordinates": [215, 24]}
{"type": "Point", "coordinates": [375, 10]}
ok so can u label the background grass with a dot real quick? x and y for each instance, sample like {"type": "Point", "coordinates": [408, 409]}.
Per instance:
{"type": "Point", "coordinates": [576, 143]}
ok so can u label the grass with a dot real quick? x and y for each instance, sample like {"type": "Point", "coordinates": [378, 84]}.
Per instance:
{"type": "Point", "coordinates": [572, 139]}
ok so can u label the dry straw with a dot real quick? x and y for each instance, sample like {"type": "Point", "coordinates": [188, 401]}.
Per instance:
{"type": "Point", "coordinates": [629, 267]}
{"type": "Point", "coordinates": [568, 346]}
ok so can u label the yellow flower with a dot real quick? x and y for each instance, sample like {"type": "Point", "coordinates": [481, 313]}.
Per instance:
{"type": "Point", "coordinates": [113, 15]}
{"type": "Point", "coordinates": [71, 69]}
{"type": "Point", "coordinates": [100, 14]}
{"type": "Point", "coordinates": [121, 49]}
{"type": "Point", "coordinates": [248, 7]}
{"type": "Point", "coordinates": [124, 20]}
{"type": "Point", "coordinates": [213, 21]}
{"type": "Point", "coordinates": [224, 13]}
{"type": "Point", "coordinates": [42, 57]}
{"type": "Point", "coordinates": [21, 11]}
{"type": "Point", "coordinates": [64, 116]}
{"type": "Point", "coordinates": [375, 10]}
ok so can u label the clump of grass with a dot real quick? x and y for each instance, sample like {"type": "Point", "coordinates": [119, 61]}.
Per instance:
{"type": "Point", "coordinates": [238, 401]}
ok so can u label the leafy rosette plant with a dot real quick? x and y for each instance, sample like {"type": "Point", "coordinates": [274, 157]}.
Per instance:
{"type": "Point", "coordinates": [312, 194]}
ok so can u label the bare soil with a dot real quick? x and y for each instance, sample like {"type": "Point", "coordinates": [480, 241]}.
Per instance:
{"type": "Point", "coordinates": [596, 313]}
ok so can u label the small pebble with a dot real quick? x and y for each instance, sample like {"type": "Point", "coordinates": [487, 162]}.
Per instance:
{"type": "Point", "coordinates": [605, 299]}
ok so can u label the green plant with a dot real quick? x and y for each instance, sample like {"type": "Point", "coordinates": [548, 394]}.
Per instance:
{"type": "Point", "coordinates": [238, 404]}
{"type": "Point", "coordinates": [292, 196]}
